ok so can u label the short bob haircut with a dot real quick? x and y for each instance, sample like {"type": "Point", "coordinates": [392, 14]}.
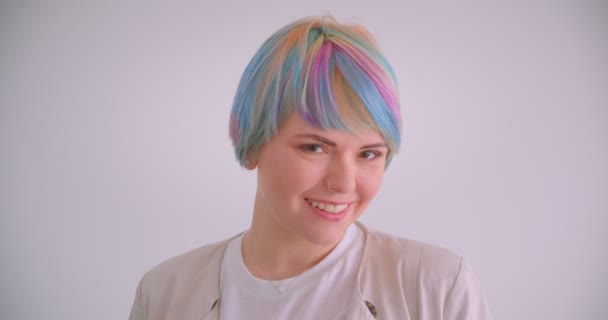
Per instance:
{"type": "Point", "coordinates": [333, 75]}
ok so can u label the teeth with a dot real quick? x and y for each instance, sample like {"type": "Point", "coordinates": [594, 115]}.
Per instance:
{"type": "Point", "coordinates": [328, 207]}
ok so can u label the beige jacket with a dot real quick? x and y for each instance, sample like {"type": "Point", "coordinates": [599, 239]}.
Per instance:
{"type": "Point", "coordinates": [398, 279]}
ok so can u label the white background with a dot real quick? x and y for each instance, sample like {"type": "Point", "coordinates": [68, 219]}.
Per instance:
{"type": "Point", "coordinates": [115, 152]}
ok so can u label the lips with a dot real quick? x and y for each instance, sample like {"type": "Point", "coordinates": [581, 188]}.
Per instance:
{"type": "Point", "coordinates": [328, 207]}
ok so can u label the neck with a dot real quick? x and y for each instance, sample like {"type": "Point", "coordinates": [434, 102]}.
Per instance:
{"type": "Point", "coordinates": [271, 252]}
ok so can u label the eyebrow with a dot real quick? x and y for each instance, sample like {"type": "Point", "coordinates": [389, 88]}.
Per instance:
{"type": "Point", "coordinates": [375, 145]}
{"type": "Point", "coordinates": [333, 144]}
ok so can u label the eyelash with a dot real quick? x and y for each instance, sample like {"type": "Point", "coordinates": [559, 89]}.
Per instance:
{"type": "Point", "coordinates": [316, 148]}
{"type": "Point", "coordinates": [309, 147]}
{"type": "Point", "coordinates": [376, 154]}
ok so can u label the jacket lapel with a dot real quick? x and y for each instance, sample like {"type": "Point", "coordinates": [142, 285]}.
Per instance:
{"type": "Point", "coordinates": [214, 313]}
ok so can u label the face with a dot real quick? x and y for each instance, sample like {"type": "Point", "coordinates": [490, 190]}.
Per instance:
{"type": "Point", "coordinates": [314, 183]}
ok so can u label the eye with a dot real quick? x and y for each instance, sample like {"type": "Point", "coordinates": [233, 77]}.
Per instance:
{"type": "Point", "coordinates": [370, 155]}
{"type": "Point", "coordinates": [315, 148]}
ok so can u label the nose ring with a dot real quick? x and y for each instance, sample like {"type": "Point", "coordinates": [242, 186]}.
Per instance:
{"type": "Point", "coordinates": [329, 188]}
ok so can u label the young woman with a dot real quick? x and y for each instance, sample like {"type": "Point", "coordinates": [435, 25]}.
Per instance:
{"type": "Point", "coordinates": [316, 114]}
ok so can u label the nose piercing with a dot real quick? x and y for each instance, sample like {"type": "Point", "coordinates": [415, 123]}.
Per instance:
{"type": "Point", "coordinates": [329, 188]}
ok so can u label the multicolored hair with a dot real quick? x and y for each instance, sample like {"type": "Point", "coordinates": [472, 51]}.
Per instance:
{"type": "Point", "coordinates": [332, 74]}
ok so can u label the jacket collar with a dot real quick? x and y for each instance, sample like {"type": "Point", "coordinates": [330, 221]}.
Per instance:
{"type": "Point", "coordinates": [210, 304]}
{"type": "Point", "coordinates": [211, 289]}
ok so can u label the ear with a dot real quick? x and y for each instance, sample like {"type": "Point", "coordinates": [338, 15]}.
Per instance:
{"type": "Point", "coordinates": [250, 164]}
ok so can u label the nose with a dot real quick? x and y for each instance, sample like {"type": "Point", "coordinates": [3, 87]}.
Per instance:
{"type": "Point", "coordinates": [341, 175]}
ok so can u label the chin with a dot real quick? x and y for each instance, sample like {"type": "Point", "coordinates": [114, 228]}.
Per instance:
{"type": "Point", "coordinates": [328, 235]}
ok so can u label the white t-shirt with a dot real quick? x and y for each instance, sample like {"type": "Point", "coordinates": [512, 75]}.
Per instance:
{"type": "Point", "coordinates": [323, 292]}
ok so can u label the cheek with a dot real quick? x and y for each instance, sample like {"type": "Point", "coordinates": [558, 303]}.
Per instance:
{"type": "Point", "coordinates": [369, 185]}
{"type": "Point", "coordinates": [287, 175]}
{"type": "Point", "coordinates": [300, 176]}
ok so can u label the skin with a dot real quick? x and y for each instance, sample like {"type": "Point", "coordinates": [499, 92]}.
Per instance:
{"type": "Point", "coordinates": [288, 235]}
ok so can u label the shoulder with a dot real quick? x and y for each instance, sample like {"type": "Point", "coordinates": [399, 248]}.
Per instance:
{"type": "Point", "coordinates": [182, 286]}
{"type": "Point", "coordinates": [427, 267]}
{"type": "Point", "coordinates": [429, 258]}
{"type": "Point", "coordinates": [433, 281]}
{"type": "Point", "coordinates": [189, 262]}
{"type": "Point", "coordinates": [200, 265]}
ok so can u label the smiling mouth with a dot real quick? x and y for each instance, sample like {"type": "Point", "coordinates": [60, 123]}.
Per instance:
{"type": "Point", "coordinates": [328, 207]}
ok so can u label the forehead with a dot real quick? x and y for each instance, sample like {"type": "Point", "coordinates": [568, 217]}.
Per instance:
{"type": "Point", "coordinates": [295, 125]}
